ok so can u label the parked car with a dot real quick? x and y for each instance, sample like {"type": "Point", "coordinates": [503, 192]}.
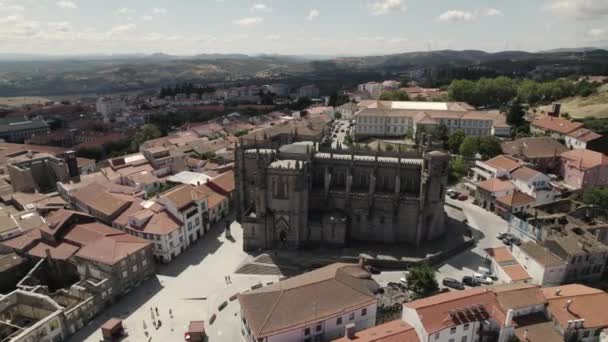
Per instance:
{"type": "Point", "coordinates": [453, 283]}
{"type": "Point", "coordinates": [483, 279]}
{"type": "Point", "coordinates": [501, 236]}
{"type": "Point", "coordinates": [470, 281]}
{"type": "Point", "coordinates": [463, 197]}
{"type": "Point", "coordinates": [373, 270]}
{"type": "Point", "coordinates": [487, 273]}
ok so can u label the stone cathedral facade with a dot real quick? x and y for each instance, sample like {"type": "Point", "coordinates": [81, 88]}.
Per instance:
{"type": "Point", "coordinates": [298, 195]}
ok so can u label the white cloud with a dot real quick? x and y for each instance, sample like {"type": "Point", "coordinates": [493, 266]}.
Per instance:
{"type": "Point", "coordinates": [67, 4]}
{"type": "Point", "coordinates": [147, 17]}
{"type": "Point", "coordinates": [579, 9]}
{"type": "Point", "coordinates": [122, 29]}
{"type": "Point", "coordinates": [248, 21]}
{"type": "Point", "coordinates": [491, 12]}
{"type": "Point", "coordinates": [158, 10]}
{"type": "Point", "coordinates": [11, 8]}
{"type": "Point", "coordinates": [398, 40]}
{"type": "Point", "coordinates": [382, 7]}
{"type": "Point", "coordinates": [596, 32]}
{"type": "Point", "coordinates": [456, 15]}
{"type": "Point", "coordinates": [60, 26]}
{"type": "Point", "coordinates": [313, 14]}
{"type": "Point", "coordinates": [124, 10]}
{"type": "Point", "coordinates": [260, 8]}
{"type": "Point", "coordinates": [272, 37]}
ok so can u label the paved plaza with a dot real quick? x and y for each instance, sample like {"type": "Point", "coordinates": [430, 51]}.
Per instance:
{"type": "Point", "coordinates": [192, 287]}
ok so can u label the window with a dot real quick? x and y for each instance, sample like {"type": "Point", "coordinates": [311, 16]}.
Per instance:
{"type": "Point", "coordinates": [597, 332]}
{"type": "Point", "coordinates": [363, 311]}
{"type": "Point", "coordinates": [134, 268]}
{"type": "Point", "coordinates": [189, 225]}
{"type": "Point", "coordinates": [144, 263]}
{"type": "Point", "coordinates": [351, 316]}
{"type": "Point", "coordinates": [124, 274]}
{"type": "Point", "coordinates": [466, 327]}
{"type": "Point", "coordinates": [586, 334]}
{"type": "Point", "coordinates": [463, 339]}
{"type": "Point", "coordinates": [197, 221]}
{"type": "Point", "coordinates": [339, 321]}
{"type": "Point", "coordinates": [453, 330]}
{"type": "Point", "coordinates": [437, 336]}
{"type": "Point", "coordinates": [306, 331]}
{"type": "Point", "coordinates": [318, 327]}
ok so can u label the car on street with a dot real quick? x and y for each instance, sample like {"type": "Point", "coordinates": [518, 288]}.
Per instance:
{"type": "Point", "coordinates": [453, 283]}
{"type": "Point", "coordinates": [487, 273]}
{"type": "Point", "coordinates": [501, 236]}
{"type": "Point", "coordinates": [483, 279]}
{"type": "Point", "coordinates": [373, 270]}
{"type": "Point", "coordinates": [470, 281]}
{"type": "Point", "coordinates": [463, 197]}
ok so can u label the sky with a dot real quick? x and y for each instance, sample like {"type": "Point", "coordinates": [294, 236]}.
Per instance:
{"type": "Point", "coordinates": [319, 27]}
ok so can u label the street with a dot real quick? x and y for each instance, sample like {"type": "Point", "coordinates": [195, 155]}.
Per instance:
{"type": "Point", "coordinates": [485, 226]}
{"type": "Point", "coordinates": [341, 127]}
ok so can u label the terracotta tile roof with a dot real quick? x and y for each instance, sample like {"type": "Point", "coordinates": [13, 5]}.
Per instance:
{"type": "Point", "coordinates": [183, 195]}
{"type": "Point", "coordinates": [536, 328]}
{"type": "Point", "coordinates": [500, 254]}
{"type": "Point", "coordinates": [457, 307]}
{"type": "Point", "coordinates": [23, 241]}
{"type": "Point", "coordinates": [111, 247]}
{"type": "Point", "coordinates": [521, 297]}
{"type": "Point", "coordinates": [393, 331]}
{"type": "Point", "coordinates": [584, 159]}
{"type": "Point", "coordinates": [570, 290]}
{"type": "Point", "coordinates": [496, 185]}
{"type": "Point", "coordinates": [534, 148]}
{"type": "Point", "coordinates": [213, 198]}
{"type": "Point", "coordinates": [516, 272]}
{"type": "Point", "coordinates": [60, 251]}
{"type": "Point", "coordinates": [225, 181]}
{"type": "Point", "coordinates": [96, 196]}
{"type": "Point", "coordinates": [309, 297]}
{"type": "Point", "coordinates": [559, 125]}
{"type": "Point", "coordinates": [584, 134]}
{"type": "Point", "coordinates": [590, 307]}
{"type": "Point", "coordinates": [505, 163]}
{"type": "Point", "coordinates": [516, 199]}
{"type": "Point", "coordinates": [541, 254]}
{"type": "Point", "coordinates": [525, 173]}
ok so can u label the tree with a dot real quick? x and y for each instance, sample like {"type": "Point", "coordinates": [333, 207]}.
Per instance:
{"type": "Point", "coordinates": [457, 169]}
{"type": "Point", "coordinates": [394, 95]}
{"type": "Point", "coordinates": [93, 152]}
{"type": "Point", "coordinates": [147, 132]}
{"type": "Point", "coordinates": [440, 133]}
{"type": "Point", "coordinates": [596, 196]}
{"type": "Point", "coordinates": [337, 115]}
{"type": "Point", "coordinates": [348, 139]}
{"type": "Point", "coordinates": [489, 147]}
{"type": "Point", "coordinates": [516, 113]}
{"type": "Point", "coordinates": [469, 147]}
{"type": "Point", "coordinates": [455, 140]}
{"type": "Point", "coordinates": [421, 280]}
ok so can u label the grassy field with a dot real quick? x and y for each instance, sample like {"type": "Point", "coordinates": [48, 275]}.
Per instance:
{"type": "Point", "coordinates": [21, 101]}
{"type": "Point", "coordinates": [595, 105]}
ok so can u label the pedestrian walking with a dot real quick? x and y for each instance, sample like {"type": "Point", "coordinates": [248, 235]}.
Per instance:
{"type": "Point", "coordinates": [170, 313]}
{"type": "Point", "coordinates": [156, 308]}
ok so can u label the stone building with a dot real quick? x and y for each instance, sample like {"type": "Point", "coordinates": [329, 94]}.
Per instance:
{"type": "Point", "coordinates": [298, 194]}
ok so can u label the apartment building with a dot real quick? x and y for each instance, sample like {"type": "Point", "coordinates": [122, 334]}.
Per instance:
{"type": "Point", "coordinates": [399, 118]}
{"type": "Point", "coordinates": [584, 169]}
{"type": "Point", "coordinates": [542, 265]}
{"type": "Point", "coordinates": [17, 130]}
{"type": "Point", "coordinates": [320, 304]}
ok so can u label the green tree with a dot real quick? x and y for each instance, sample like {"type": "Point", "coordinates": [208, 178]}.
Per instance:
{"type": "Point", "coordinates": [440, 133]}
{"type": "Point", "coordinates": [469, 147]}
{"type": "Point", "coordinates": [489, 147]}
{"type": "Point", "coordinates": [147, 132]}
{"type": "Point", "coordinates": [421, 280]}
{"type": "Point", "coordinates": [597, 196]}
{"type": "Point", "coordinates": [457, 169]}
{"type": "Point", "coordinates": [394, 95]}
{"type": "Point", "coordinates": [337, 115]}
{"type": "Point", "coordinates": [348, 139]}
{"type": "Point", "coordinates": [455, 140]}
{"type": "Point", "coordinates": [516, 113]}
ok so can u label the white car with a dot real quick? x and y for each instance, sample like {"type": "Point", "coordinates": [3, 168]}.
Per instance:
{"type": "Point", "coordinates": [483, 279]}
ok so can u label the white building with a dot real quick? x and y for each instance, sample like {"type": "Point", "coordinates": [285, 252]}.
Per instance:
{"type": "Point", "coordinates": [374, 89]}
{"type": "Point", "coordinates": [109, 107]}
{"type": "Point", "coordinates": [579, 138]}
{"type": "Point", "coordinates": [319, 304]}
{"type": "Point", "coordinates": [188, 204]}
{"type": "Point", "coordinates": [506, 267]}
{"type": "Point", "coordinates": [534, 184]}
{"type": "Point", "coordinates": [310, 91]}
{"type": "Point", "coordinates": [544, 267]}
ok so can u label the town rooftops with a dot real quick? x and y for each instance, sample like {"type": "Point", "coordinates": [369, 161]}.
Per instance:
{"type": "Point", "coordinates": [516, 199]}
{"type": "Point", "coordinates": [393, 331]}
{"type": "Point", "coordinates": [187, 177]}
{"type": "Point", "coordinates": [457, 307]}
{"type": "Point", "coordinates": [584, 159]}
{"type": "Point", "coordinates": [496, 185]}
{"type": "Point", "coordinates": [225, 181]}
{"type": "Point", "coordinates": [584, 134]}
{"type": "Point", "coordinates": [505, 163]}
{"type": "Point", "coordinates": [524, 173]}
{"type": "Point", "coordinates": [576, 302]}
{"type": "Point", "coordinates": [534, 148]}
{"type": "Point", "coordinates": [559, 125]}
{"type": "Point", "coordinates": [183, 195]}
{"type": "Point", "coordinates": [317, 295]}
{"type": "Point", "coordinates": [536, 328]}
{"type": "Point", "coordinates": [505, 260]}
{"type": "Point", "coordinates": [97, 197]}
{"type": "Point", "coordinates": [541, 254]}
{"type": "Point", "coordinates": [520, 297]}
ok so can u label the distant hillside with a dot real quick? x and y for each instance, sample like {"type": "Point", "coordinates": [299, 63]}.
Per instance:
{"type": "Point", "coordinates": [22, 75]}
{"type": "Point", "coordinates": [578, 107]}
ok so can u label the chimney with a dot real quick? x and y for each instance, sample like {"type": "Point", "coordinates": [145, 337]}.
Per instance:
{"type": "Point", "coordinates": [567, 305]}
{"type": "Point", "coordinates": [350, 331]}
{"type": "Point", "coordinates": [558, 291]}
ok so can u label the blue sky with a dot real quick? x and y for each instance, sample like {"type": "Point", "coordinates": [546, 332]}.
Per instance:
{"type": "Point", "coordinates": [344, 27]}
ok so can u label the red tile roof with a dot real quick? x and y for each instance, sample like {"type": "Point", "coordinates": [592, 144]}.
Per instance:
{"type": "Point", "coordinates": [584, 134]}
{"type": "Point", "coordinates": [559, 125]}
{"type": "Point", "coordinates": [524, 173]}
{"type": "Point", "coordinates": [584, 159]}
{"type": "Point", "coordinates": [516, 199]}
{"type": "Point", "coordinates": [393, 331]}
{"type": "Point", "coordinates": [455, 308]}
{"type": "Point", "coordinates": [502, 162]}
{"type": "Point", "coordinates": [496, 185]}
{"type": "Point", "coordinates": [225, 181]}
{"type": "Point", "coordinates": [500, 254]}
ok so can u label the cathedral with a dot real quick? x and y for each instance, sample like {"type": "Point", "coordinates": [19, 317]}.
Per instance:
{"type": "Point", "coordinates": [298, 194]}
